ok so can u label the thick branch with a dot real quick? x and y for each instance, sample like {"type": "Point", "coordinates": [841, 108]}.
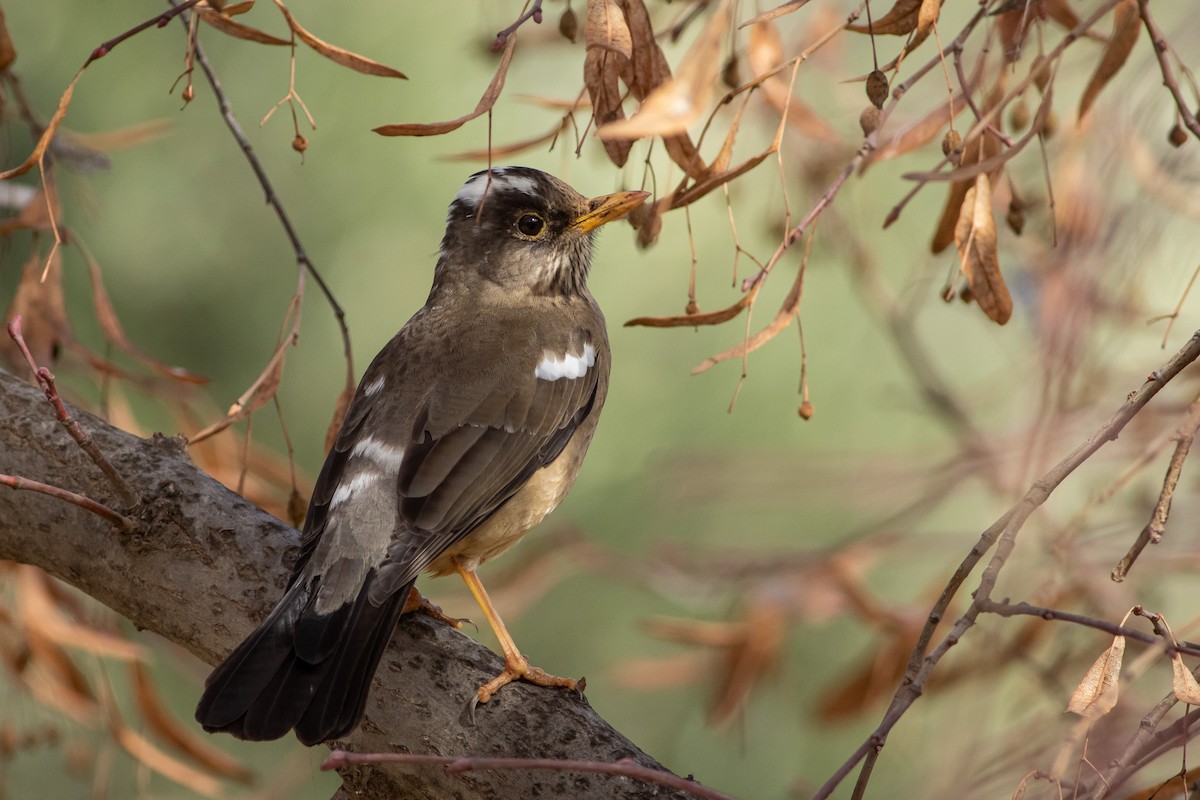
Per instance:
{"type": "Point", "coordinates": [205, 565]}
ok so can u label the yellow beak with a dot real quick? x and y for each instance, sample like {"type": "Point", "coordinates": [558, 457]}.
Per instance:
{"type": "Point", "coordinates": [607, 208]}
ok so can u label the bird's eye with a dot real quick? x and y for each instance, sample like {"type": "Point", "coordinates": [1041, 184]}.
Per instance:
{"type": "Point", "coordinates": [530, 225]}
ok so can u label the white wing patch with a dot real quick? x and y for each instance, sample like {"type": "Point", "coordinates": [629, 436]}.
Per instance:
{"type": "Point", "coordinates": [382, 453]}
{"type": "Point", "coordinates": [554, 367]}
{"type": "Point", "coordinates": [374, 387]}
{"type": "Point", "coordinates": [346, 490]}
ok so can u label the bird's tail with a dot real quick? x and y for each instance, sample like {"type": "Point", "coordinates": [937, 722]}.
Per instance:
{"type": "Point", "coordinates": [301, 669]}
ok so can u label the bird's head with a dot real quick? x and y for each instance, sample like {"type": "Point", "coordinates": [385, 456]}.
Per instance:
{"type": "Point", "coordinates": [524, 230]}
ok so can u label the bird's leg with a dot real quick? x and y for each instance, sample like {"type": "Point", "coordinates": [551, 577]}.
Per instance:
{"type": "Point", "coordinates": [516, 666]}
{"type": "Point", "coordinates": [419, 602]}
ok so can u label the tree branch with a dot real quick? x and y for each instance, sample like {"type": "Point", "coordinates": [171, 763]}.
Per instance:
{"type": "Point", "coordinates": [204, 566]}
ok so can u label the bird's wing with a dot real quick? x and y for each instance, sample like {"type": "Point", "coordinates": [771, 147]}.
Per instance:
{"type": "Point", "coordinates": [475, 444]}
{"type": "Point", "coordinates": [416, 468]}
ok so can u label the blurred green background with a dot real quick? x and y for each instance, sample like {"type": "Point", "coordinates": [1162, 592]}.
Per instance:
{"type": "Point", "coordinates": [201, 274]}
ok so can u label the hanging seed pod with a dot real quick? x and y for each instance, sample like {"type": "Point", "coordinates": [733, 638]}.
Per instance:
{"type": "Point", "coordinates": [1015, 218]}
{"type": "Point", "coordinates": [952, 146]}
{"type": "Point", "coordinates": [1178, 136]}
{"type": "Point", "coordinates": [1050, 125]}
{"type": "Point", "coordinates": [806, 410]}
{"type": "Point", "coordinates": [189, 94]}
{"type": "Point", "coordinates": [299, 144]}
{"type": "Point", "coordinates": [1041, 72]}
{"type": "Point", "coordinates": [568, 25]}
{"type": "Point", "coordinates": [729, 73]}
{"type": "Point", "coordinates": [869, 120]}
{"type": "Point", "coordinates": [877, 88]}
{"type": "Point", "coordinates": [1018, 118]}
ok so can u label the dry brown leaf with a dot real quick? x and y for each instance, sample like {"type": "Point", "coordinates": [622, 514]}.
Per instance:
{"type": "Point", "coordinates": [159, 720]}
{"type": "Point", "coordinates": [490, 95]}
{"type": "Point", "coordinates": [143, 751]}
{"type": "Point", "coordinates": [234, 9]}
{"type": "Point", "coordinates": [35, 215]}
{"type": "Point", "coordinates": [874, 679]}
{"type": "Point", "coordinates": [788, 310]}
{"type": "Point", "coordinates": [1124, 36]}
{"type": "Point", "coordinates": [753, 657]}
{"type": "Point", "coordinates": [694, 631]}
{"type": "Point", "coordinates": [40, 611]}
{"type": "Point", "coordinates": [40, 304]}
{"type": "Point", "coordinates": [337, 54]}
{"type": "Point", "coordinates": [916, 134]}
{"type": "Point", "coordinates": [1061, 12]}
{"type": "Point", "coordinates": [677, 103]}
{"type": "Point", "coordinates": [927, 17]}
{"type": "Point", "coordinates": [1183, 682]}
{"type": "Point", "coordinates": [8, 53]}
{"type": "Point", "coordinates": [692, 320]}
{"type": "Point", "coordinates": [979, 258]}
{"type": "Point", "coordinates": [121, 138]}
{"type": "Point", "coordinates": [775, 13]}
{"type": "Point", "coordinates": [667, 672]}
{"type": "Point", "coordinates": [647, 67]}
{"type": "Point", "coordinates": [230, 27]}
{"type": "Point", "coordinates": [605, 28]}
{"type": "Point", "coordinates": [339, 411]}
{"type": "Point", "coordinates": [267, 383]}
{"type": "Point", "coordinates": [974, 151]}
{"type": "Point", "coordinates": [601, 75]}
{"type": "Point", "coordinates": [506, 150]}
{"type": "Point", "coordinates": [765, 56]}
{"type": "Point", "coordinates": [901, 20]}
{"type": "Point", "coordinates": [39, 150]}
{"type": "Point", "coordinates": [1096, 694]}
{"type": "Point", "coordinates": [55, 682]}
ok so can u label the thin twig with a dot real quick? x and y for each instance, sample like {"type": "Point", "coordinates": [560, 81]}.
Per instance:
{"type": "Point", "coordinates": [534, 12]}
{"type": "Point", "coordinates": [45, 379]}
{"type": "Point", "coordinates": [455, 764]}
{"type": "Point", "coordinates": [1007, 609]}
{"type": "Point", "coordinates": [88, 504]}
{"type": "Point", "coordinates": [159, 21]}
{"type": "Point", "coordinates": [272, 198]}
{"type": "Point", "coordinates": [1153, 531]}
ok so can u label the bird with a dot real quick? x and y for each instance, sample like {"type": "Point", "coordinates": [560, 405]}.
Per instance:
{"type": "Point", "coordinates": [466, 430]}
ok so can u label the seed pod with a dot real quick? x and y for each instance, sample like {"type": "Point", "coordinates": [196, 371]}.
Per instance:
{"type": "Point", "coordinates": [1015, 218]}
{"type": "Point", "coordinates": [1041, 72]}
{"type": "Point", "coordinates": [806, 410]}
{"type": "Point", "coordinates": [729, 74]}
{"type": "Point", "coordinates": [189, 94]}
{"type": "Point", "coordinates": [1178, 136]}
{"type": "Point", "coordinates": [568, 25]}
{"type": "Point", "coordinates": [1018, 118]}
{"type": "Point", "coordinates": [299, 144]}
{"type": "Point", "coordinates": [877, 88]}
{"type": "Point", "coordinates": [952, 146]}
{"type": "Point", "coordinates": [1050, 125]}
{"type": "Point", "coordinates": [869, 120]}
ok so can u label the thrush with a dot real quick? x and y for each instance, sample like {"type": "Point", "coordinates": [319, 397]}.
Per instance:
{"type": "Point", "coordinates": [466, 430]}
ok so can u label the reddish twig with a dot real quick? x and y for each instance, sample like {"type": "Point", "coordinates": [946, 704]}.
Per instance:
{"type": "Point", "coordinates": [1153, 531]}
{"type": "Point", "coordinates": [159, 21]}
{"type": "Point", "coordinates": [534, 13]}
{"type": "Point", "coordinates": [45, 379]}
{"type": "Point", "coordinates": [455, 764]}
{"type": "Point", "coordinates": [88, 504]}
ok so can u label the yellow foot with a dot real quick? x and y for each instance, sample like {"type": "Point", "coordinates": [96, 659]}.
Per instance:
{"type": "Point", "coordinates": [519, 669]}
{"type": "Point", "coordinates": [419, 602]}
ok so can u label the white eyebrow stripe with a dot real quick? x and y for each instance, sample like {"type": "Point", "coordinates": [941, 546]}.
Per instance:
{"type": "Point", "coordinates": [374, 387]}
{"type": "Point", "coordinates": [385, 455]}
{"type": "Point", "coordinates": [346, 490]}
{"type": "Point", "coordinates": [569, 366]}
{"type": "Point", "coordinates": [471, 193]}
